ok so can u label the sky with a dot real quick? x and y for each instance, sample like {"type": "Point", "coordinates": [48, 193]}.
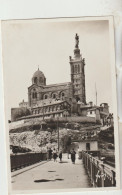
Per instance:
{"type": "Point", "coordinates": [27, 44]}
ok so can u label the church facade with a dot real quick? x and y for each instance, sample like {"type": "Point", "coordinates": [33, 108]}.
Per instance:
{"type": "Point", "coordinates": [58, 99]}
{"type": "Point", "coordinates": [69, 91]}
{"type": "Point", "coordinates": [62, 99]}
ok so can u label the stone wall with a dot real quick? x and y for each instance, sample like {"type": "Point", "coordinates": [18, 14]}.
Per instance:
{"type": "Point", "coordinates": [59, 91]}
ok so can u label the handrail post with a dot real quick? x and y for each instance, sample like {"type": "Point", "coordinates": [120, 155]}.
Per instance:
{"type": "Point", "coordinates": [87, 162]}
{"type": "Point", "coordinates": [113, 178]}
{"type": "Point", "coordinates": [93, 172]}
{"type": "Point", "coordinates": [102, 175]}
{"type": "Point", "coordinates": [91, 169]}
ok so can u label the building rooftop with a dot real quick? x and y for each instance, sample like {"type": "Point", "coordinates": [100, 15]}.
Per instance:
{"type": "Point", "coordinates": [48, 102]}
{"type": "Point", "coordinates": [58, 84]}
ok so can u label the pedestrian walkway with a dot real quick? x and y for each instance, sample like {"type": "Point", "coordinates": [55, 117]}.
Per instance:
{"type": "Point", "coordinates": [51, 175]}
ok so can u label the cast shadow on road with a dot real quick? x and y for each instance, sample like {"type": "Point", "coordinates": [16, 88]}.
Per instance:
{"type": "Point", "coordinates": [64, 162]}
{"type": "Point", "coordinates": [47, 180]}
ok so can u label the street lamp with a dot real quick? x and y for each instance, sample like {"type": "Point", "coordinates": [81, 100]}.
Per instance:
{"type": "Point", "coordinates": [58, 132]}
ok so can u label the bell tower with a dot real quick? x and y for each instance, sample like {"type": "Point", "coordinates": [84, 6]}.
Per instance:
{"type": "Point", "coordinates": [77, 73]}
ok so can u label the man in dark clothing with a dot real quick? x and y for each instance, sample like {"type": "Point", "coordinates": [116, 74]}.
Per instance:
{"type": "Point", "coordinates": [73, 153]}
{"type": "Point", "coordinates": [50, 153]}
{"type": "Point", "coordinates": [60, 156]}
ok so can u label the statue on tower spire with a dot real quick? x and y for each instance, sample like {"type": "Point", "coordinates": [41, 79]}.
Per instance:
{"type": "Point", "coordinates": [76, 41]}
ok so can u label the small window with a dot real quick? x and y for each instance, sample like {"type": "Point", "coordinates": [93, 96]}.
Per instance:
{"type": "Point", "coordinates": [41, 80]}
{"type": "Point", "coordinates": [45, 97]}
{"type": "Point", "coordinates": [35, 80]}
{"type": "Point", "coordinates": [62, 94]}
{"type": "Point", "coordinates": [76, 68]}
{"type": "Point", "coordinates": [54, 96]}
{"type": "Point", "coordinates": [90, 112]}
{"type": "Point", "coordinates": [35, 95]}
{"type": "Point", "coordinates": [87, 146]}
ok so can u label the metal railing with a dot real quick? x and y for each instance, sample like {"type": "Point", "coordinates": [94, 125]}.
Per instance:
{"type": "Point", "coordinates": [100, 174]}
{"type": "Point", "coordinates": [22, 160]}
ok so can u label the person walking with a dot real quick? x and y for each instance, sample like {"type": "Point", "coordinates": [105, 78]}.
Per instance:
{"type": "Point", "coordinates": [55, 155]}
{"type": "Point", "coordinates": [73, 154]}
{"type": "Point", "coordinates": [50, 154]}
{"type": "Point", "coordinates": [60, 155]}
{"type": "Point", "coordinates": [68, 153]}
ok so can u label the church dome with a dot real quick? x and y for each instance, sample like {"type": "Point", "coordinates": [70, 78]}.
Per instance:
{"type": "Point", "coordinates": [38, 73]}
{"type": "Point", "coordinates": [39, 78]}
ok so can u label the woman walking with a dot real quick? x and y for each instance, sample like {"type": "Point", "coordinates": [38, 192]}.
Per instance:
{"type": "Point", "coordinates": [73, 153]}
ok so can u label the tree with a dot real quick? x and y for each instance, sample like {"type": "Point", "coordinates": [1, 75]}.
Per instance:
{"type": "Point", "coordinates": [65, 142]}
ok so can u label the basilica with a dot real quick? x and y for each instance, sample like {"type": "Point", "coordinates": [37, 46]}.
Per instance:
{"type": "Point", "coordinates": [61, 99]}
{"type": "Point", "coordinates": [58, 99]}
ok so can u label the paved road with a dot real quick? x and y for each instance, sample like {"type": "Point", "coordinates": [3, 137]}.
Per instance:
{"type": "Point", "coordinates": [51, 175]}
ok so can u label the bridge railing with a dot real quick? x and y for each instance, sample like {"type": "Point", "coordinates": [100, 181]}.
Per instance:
{"type": "Point", "coordinates": [100, 174]}
{"type": "Point", "coordinates": [22, 160]}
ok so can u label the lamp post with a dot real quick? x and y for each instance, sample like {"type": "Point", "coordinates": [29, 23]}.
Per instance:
{"type": "Point", "coordinates": [58, 132]}
{"type": "Point", "coordinates": [43, 110]}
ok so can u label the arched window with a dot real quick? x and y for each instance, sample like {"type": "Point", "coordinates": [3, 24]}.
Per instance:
{"type": "Point", "coordinates": [35, 80]}
{"type": "Point", "coordinates": [45, 96]}
{"type": "Point", "coordinates": [41, 80]}
{"type": "Point", "coordinates": [76, 68]}
{"type": "Point", "coordinates": [35, 95]}
{"type": "Point", "coordinates": [54, 96]}
{"type": "Point", "coordinates": [63, 94]}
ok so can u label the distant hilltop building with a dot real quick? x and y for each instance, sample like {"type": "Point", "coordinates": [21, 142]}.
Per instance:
{"type": "Point", "coordinates": [57, 100]}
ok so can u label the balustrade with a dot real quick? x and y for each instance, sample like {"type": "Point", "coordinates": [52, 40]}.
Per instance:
{"type": "Point", "coordinates": [100, 174]}
{"type": "Point", "coordinates": [22, 160]}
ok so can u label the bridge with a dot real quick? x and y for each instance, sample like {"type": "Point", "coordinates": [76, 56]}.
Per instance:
{"type": "Point", "coordinates": [36, 174]}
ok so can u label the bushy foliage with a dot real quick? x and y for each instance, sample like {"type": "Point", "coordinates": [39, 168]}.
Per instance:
{"type": "Point", "coordinates": [107, 135]}
{"type": "Point", "coordinates": [18, 149]}
{"type": "Point", "coordinates": [65, 142]}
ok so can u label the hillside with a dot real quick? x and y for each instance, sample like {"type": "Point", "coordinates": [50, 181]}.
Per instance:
{"type": "Point", "coordinates": [37, 136]}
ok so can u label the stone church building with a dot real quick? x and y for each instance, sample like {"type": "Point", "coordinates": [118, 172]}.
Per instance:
{"type": "Point", "coordinates": [56, 100]}
{"type": "Point", "coordinates": [64, 91]}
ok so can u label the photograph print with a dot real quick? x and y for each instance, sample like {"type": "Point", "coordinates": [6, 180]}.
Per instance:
{"type": "Point", "coordinates": [60, 104]}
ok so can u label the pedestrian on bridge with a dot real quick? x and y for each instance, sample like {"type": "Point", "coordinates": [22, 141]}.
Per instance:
{"type": "Point", "coordinates": [50, 153]}
{"type": "Point", "coordinates": [68, 153]}
{"type": "Point", "coordinates": [60, 155]}
{"type": "Point", "coordinates": [55, 155]}
{"type": "Point", "coordinates": [73, 154]}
